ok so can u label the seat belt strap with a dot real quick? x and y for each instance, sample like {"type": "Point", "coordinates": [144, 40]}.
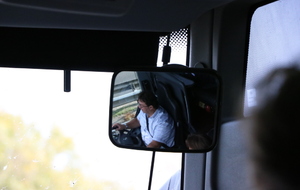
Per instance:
{"type": "Point", "coordinates": [163, 145]}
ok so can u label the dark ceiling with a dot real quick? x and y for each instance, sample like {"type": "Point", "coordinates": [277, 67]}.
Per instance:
{"type": "Point", "coordinates": [90, 34]}
{"type": "Point", "coordinates": [137, 15]}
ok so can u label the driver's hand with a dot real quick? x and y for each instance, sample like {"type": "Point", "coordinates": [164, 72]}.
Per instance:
{"type": "Point", "coordinates": [118, 126]}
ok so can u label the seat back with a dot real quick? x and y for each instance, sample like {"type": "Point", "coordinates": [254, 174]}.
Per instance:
{"type": "Point", "coordinates": [228, 165]}
{"type": "Point", "coordinates": [166, 99]}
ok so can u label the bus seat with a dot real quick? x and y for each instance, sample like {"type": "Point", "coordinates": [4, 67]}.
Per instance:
{"type": "Point", "coordinates": [229, 167]}
{"type": "Point", "coordinates": [166, 100]}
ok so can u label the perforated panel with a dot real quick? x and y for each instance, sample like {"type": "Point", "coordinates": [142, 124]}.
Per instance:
{"type": "Point", "coordinates": [178, 44]}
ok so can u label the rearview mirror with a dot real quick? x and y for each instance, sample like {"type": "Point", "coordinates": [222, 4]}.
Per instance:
{"type": "Point", "coordinates": [165, 109]}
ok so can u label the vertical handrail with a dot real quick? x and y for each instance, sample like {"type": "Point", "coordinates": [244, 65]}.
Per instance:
{"type": "Point", "coordinates": [151, 170]}
{"type": "Point", "coordinates": [182, 171]}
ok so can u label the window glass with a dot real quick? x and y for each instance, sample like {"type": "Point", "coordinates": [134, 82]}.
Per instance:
{"type": "Point", "coordinates": [274, 42]}
{"type": "Point", "coordinates": [178, 44]}
{"type": "Point", "coordinates": [126, 90]}
{"type": "Point", "coordinates": [166, 166]}
{"type": "Point", "coordinates": [51, 139]}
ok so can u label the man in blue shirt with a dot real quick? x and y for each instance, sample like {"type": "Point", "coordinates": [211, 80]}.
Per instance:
{"type": "Point", "coordinates": [157, 126]}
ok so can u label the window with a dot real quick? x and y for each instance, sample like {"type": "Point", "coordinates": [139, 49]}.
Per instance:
{"type": "Point", "coordinates": [178, 43]}
{"type": "Point", "coordinates": [274, 42]}
{"type": "Point", "coordinates": [126, 91]}
{"type": "Point", "coordinates": [51, 139]}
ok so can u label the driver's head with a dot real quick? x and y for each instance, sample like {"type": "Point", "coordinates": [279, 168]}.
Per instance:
{"type": "Point", "coordinates": [147, 98]}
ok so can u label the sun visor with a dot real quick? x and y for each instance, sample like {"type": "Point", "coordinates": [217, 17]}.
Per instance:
{"type": "Point", "coordinates": [88, 50]}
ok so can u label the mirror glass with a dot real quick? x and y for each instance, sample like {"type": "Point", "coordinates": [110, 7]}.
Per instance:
{"type": "Point", "coordinates": [160, 109]}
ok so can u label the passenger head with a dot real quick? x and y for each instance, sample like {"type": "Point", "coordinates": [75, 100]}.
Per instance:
{"type": "Point", "coordinates": [275, 137]}
{"type": "Point", "coordinates": [198, 142]}
{"type": "Point", "coordinates": [148, 98]}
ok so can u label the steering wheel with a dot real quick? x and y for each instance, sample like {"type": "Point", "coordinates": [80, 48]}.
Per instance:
{"type": "Point", "coordinates": [128, 137]}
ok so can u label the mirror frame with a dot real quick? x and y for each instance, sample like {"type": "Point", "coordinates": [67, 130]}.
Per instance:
{"type": "Point", "coordinates": [169, 69]}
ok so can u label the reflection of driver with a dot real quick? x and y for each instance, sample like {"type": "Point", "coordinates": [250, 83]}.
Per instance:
{"type": "Point", "coordinates": [157, 127]}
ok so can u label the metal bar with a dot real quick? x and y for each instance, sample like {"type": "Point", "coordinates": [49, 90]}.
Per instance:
{"type": "Point", "coordinates": [151, 170]}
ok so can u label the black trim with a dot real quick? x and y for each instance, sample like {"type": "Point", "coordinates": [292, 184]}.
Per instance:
{"type": "Point", "coordinates": [66, 49]}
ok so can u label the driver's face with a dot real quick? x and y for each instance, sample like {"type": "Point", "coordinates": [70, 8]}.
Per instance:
{"type": "Point", "coordinates": [142, 105]}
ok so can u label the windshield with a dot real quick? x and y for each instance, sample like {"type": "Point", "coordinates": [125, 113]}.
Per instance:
{"type": "Point", "coordinates": [51, 139]}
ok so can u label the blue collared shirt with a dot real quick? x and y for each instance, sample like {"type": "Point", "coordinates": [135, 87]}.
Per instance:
{"type": "Point", "coordinates": [161, 127]}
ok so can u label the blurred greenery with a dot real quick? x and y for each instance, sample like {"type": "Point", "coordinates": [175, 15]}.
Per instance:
{"type": "Point", "coordinates": [124, 110]}
{"type": "Point", "coordinates": [124, 113]}
{"type": "Point", "coordinates": [27, 159]}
